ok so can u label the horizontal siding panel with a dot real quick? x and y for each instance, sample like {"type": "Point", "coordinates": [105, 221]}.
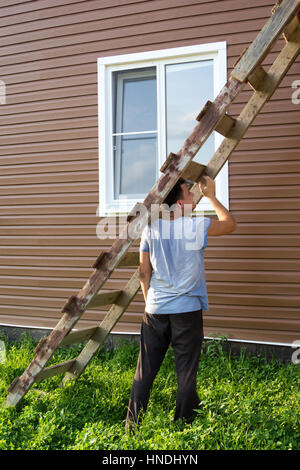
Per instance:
{"type": "Point", "coordinates": [262, 241]}
{"type": "Point", "coordinates": [58, 8]}
{"type": "Point", "coordinates": [210, 321]}
{"type": "Point", "coordinates": [211, 252]}
{"type": "Point", "coordinates": [82, 219]}
{"type": "Point", "coordinates": [277, 295]}
{"type": "Point", "coordinates": [48, 322]}
{"type": "Point", "coordinates": [255, 300]}
{"type": "Point", "coordinates": [60, 199]}
{"type": "Point", "coordinates": [262, 204]}
{"type": "Point", "coordinates": [250, 312]}
{"type": "Point", "coordinates": [15, 77]}
{"type": "Point", "coordinates": [38, 76]}
{"type": "Point", "coordinates": [254, 288]}
{"type": "Point", "coordinates": [264, 192]}
{"type": "Point", "coordinates": [70, 240]}
{"type": "Point", "coordinates": [46, 312]}
{"type": "Point", "coordinates": [266, 155]}
{"type": "Point", "coordinates": [57, 278]}
{"type": "Point", "coordinates": [49, 164]}
{"type": "Point", "coordinates": [48, 188]}
{"type": "Point", "coordinates": [51, 104]}
{"type": "Point", "coordinates": [85, 76]}
{"type": "Point", "coordinates": [240, 266]}
{"type": "Point", "coordinates": [257, 252]}
{"type": "Point", "coordinates": [259, 265]}
{"type": "Point", "coordinates": [267, 228]}
{"type": "Point", "coordinates": [267, 280]}
{"type": "Point", "coordinates": [44, 209]}
{"type": "Point", "coordinates": [114, 28]}
{"type": "Point", "coordinates": [81, 208]}
{"type": "Point", "coordinates": [89, 21]}
{"type": "Point", "coordinates": [42, 95]}
{"type": "Point", "coordinates": [232, 294]}
{"type": "Point", "coordinates": [46, 126]}
{"type": "Point", "coordinates": [37, 119]}
{"type": "Point", "coordinates": [263, 276]}
{"type": "Point", "coordinates": [262, 228]}
{"type": "Point", "coordinates": [275, 106]}
{"type": "Point", "coordinates": [88, 197]}
{"type": "Point", "coordinates": [265, 119]}
{"type": "Point", "coordinates": [49, 146]}
{"type": "Point", "coordinates": [286, 337]}
{"type": "Point", "coordinates": [47, 157]}
{"type": "Point", "coordinates": [42, 292]}
{"type": "Point", "coordinates": [281, 94]}
{"type": "Point", "coordinates": [58, 177]}
{"type": "Point", "coordinates": [276, 142]}
{"type": "Point", "coordinates": [154, 34]}
{"type": "Point", "coordinates": [262, 168]}
{"type": "Point", "coordinates": [85, 165]}
{"type": "Point", "coordinates": [81, 261]}
{"type": "Point", "coordinates": [268, 216]}
{"type": "Point", "coordinates": [211, 324]}
{"type": "Point", "coordinates": [258, 324]}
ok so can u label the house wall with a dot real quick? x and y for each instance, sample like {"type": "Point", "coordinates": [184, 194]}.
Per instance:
{"type": "Point", "coordinates": [49, 164]}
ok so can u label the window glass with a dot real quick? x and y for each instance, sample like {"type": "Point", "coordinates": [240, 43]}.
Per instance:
{"type": "Point", "coordinates": [135, 165]}
{"type": "Point", "coordinates": [188, 86]}
{"type": "Point", "coordinates": [134, 132]}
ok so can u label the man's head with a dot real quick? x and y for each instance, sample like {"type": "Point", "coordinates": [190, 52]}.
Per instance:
{"type": "Point", "coordinates": [181, 197]}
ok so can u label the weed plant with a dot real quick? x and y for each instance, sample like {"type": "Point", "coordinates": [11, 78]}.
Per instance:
{"type": "Point", "coordinates": [247, 403]}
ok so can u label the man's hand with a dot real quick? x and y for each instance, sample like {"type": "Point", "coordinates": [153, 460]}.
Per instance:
{"type": "Point", "coordinates": [207, 189]}
{"type": "Point", "coordinates": [226, 222]}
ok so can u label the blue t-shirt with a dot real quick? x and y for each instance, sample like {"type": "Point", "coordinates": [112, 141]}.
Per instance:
{"type": "Point", "coordinates": [176, 248]}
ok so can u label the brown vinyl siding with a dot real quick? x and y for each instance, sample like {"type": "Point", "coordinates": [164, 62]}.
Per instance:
{"type": "Point", "coordinates": [49, 164]}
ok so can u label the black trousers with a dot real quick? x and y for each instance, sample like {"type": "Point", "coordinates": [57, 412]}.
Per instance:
{"type": "Point", "coordinates": [184, 331]}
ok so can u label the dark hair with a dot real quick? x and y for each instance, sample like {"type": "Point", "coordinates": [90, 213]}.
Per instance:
{"type": "Point", "coordinates": [175, 193]}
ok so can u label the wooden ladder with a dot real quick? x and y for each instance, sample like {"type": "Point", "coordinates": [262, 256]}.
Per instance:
{"type": "Point", "coordinates": [284, 20]}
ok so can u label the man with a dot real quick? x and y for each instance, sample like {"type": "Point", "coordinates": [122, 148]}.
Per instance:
{"type": "Point", "coordinates": [173, 282]}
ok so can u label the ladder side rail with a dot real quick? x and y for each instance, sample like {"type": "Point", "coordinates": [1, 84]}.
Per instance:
{"type": "Point", "coordinates": [259, 48]}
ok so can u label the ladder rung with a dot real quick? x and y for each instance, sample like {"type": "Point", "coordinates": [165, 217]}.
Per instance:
{"type": "Point", "coordinates": [205, 108]}
{"type": "Point", "coordinates": [103, 255]}
{"type": "Point", "coordinates": [105, 327]}
{"type": "Point", "coordinates": [291, 27]}
{"type": "Point", "coordinates": [225, 125]}
{"type": "Point", "coordinates": [130, 259]}
{"type": "Point", "coordinates": [138, 208]}
{"type": "Point", "coordinates": [264, 40]}
{"type": "Point", "coordinates": [257, 77]}
{"type": "Point", "coordinates": [78, 336]}
{"type": "Point", "coordinates": [55, 370]}
{"type": "Point", "coordinates": [167, 162]}
{"type": "Point", "coordinates": [194, 171]}
{"type": "Point", "coordinates": [106, 298]}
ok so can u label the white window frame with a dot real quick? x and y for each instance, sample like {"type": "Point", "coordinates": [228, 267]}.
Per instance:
{"type": "Point", "coordinates": [108, 65]}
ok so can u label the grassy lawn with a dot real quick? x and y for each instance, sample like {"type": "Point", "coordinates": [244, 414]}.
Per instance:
{"type": "Point", "coordinates": [247, 403]}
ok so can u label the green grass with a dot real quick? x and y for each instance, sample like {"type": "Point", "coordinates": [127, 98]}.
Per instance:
{"type": "Point", "coordinates": [247, 403]}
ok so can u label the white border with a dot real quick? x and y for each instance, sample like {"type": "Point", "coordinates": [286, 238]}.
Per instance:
{"type": "Point", "coordinates": [216, 50]}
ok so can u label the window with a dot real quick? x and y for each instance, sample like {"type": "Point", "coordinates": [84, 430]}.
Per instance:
{"type": "Point", "coordinates": [148, 103]}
